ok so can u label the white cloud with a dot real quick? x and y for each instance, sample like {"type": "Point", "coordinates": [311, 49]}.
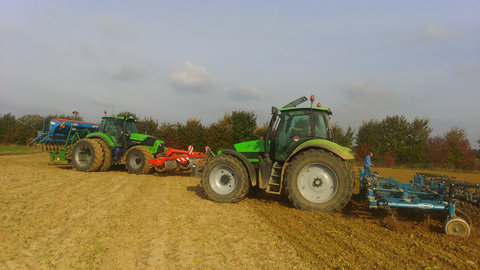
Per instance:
{"type": "Point", "coordinates": [245, 93]}
{"type": "Point", "coordinates": [434, 33]}
{"type": "Point", "coordinates": [191, 77]}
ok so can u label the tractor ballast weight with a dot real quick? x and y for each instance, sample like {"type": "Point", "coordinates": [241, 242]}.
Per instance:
{"type": "Point", "coordinates": [296, 155]}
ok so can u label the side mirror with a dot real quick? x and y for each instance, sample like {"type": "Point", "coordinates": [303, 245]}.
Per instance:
{"type": "Point", "coordinates": [274, 110]}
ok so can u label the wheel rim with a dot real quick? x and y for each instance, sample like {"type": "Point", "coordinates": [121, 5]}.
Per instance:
{"type": "Point", "coordinates": [135, 160]}
{"type": "Point", "coordinates": [83, 156]}
{"type": "Point", "coordinates": [457, 227]}
{"type": "Point", "coordinates": [317, 183]}
{"type": "Point", "coordinates": [223, 179]}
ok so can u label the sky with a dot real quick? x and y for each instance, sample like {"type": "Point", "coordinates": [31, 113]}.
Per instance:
{"type": "Point", "coordinates": [177, 60]}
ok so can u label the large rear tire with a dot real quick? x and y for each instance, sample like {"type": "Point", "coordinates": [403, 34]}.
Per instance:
{"type": "Point", "coordinates": [318, 180]}
{"type": "Point", "coordinates": [107, 155]}
{"type": "Point", "coordinates": [87, 155]}
{"type": "Point", "coordinates": [137, 160]}
{"type": "Point", "coordinates": [225, 179]}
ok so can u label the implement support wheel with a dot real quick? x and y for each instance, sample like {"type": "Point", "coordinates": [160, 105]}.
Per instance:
{"type": "Point", "coordinates": [457, 227]}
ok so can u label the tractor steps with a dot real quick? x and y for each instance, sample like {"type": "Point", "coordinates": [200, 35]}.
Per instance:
{"type": "Point", "coordinates": [274, 185]}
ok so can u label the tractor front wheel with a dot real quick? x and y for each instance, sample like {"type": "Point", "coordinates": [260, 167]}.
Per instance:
{"type": "Point", "coordinates": [137, 160]}
{"type": "Point", "coordinates": [87, 155]}
{"type": "Point", "coordinates": [225, 180]}
{"type": "Point", "coordinates": [318, 180]}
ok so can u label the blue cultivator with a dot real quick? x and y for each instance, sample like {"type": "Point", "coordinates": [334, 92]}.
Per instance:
{"type": "Point", "coordinates": [426, 192]}
{"type": "Point", "coordinates": [57, 133]}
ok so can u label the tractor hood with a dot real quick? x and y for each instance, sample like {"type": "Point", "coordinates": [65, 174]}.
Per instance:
{"type": "Point", "coordinates": [255, 146]}
{"type": "Point", "coordinates": [145, 139]}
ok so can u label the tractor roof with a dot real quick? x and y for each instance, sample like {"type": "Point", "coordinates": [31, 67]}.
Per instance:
{"type": "Point", "coordinates": [325, 109]}
{"type": "Point", "coordinates": [118, 117]}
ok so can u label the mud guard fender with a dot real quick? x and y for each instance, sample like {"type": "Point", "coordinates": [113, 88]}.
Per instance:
{"type": "Point", "coordinates": [324, 144]}
{"type": "Point", "coordinates": [103, 137]}
{"type": "Point", "coordinates": [250, 169]}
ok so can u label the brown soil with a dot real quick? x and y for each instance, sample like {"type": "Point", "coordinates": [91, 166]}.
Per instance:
{"type": "Point", "coordinates": [52, 216]}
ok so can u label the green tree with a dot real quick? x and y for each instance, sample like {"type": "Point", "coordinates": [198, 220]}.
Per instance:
{"type": "Point", "coordinates": [219, 134]}
{"type": "Point", "coordinates": [243, 126]}
{"type": "Point", "coordinates": [341, 137]}
{"type": "Point", "coordinates": [26, 127]}
{"type": "Point", "coordinates": [368, 139]}
{"type": "Point", "coordinates": [261, 130]}
{"type": "Point", "coordinates": [168, 133]}
{"type": "Point", "coordinates": [416, 143]}
{"type": "Point", "coordinates": [192, 133]}
{"type": "Point", "coordinates": [148, 126]}
{"type": "Point", "coordinates": [453, 138]}
{"type": "Point", "coordinates": [7, 128]}
{"type": "Point", "coordinates": [393, 135]}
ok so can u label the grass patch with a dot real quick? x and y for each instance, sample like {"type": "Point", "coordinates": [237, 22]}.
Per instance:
{"type": "Point", "coordinates": [16, 150]}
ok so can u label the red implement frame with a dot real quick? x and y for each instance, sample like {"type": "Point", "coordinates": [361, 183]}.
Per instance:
{"type": "Point", "coordinates": [182, 156]}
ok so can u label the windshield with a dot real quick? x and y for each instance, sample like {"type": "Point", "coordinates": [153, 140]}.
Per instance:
{"type": "Point", "coordinates": [131, 127]}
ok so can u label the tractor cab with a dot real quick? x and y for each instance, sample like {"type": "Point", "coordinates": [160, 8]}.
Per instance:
{"type": "Point", "coordinates": [117, 127]}
{"type": "Point", "coordinates": [291, 126]}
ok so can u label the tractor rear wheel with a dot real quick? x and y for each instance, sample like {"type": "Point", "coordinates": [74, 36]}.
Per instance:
{"type": "Point", "coordinates": [318, 180]}
{"type": "Point", "coordinates": [225, 179]}
{"type": "Point", "coordinates": [107, 155]}
{"type": "Point", "coordinates": [137, 160]}
{"type": "Point", "coordinates": [87, 155]}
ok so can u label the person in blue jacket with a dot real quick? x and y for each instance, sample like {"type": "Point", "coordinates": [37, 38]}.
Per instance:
{"type": "Point", "coordinates": [368, 162]}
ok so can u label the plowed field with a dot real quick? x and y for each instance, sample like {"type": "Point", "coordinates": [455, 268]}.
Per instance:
{"type": "Point", "coordinates": [52, 216]}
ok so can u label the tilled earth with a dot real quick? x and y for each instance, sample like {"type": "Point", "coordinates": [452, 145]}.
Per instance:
{"type": "Point", "coordinates": [52, 216]}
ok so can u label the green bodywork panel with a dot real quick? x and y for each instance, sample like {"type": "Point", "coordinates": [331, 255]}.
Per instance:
{"type": "Point", "coordinates": [250, 146]}
{"type": "Point", "coordinates": [251, 149]}
{"type": "Point", "coordinates": [138, 137]}
{"type": "Point", "coordinates": [153, 149]}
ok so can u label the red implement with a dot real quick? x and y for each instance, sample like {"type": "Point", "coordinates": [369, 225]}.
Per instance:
{"type": "Point", "coordinates": [181, 157]}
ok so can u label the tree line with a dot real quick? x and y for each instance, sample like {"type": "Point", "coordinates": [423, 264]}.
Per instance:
{"type": "Point", "coordinates": [393, 140]}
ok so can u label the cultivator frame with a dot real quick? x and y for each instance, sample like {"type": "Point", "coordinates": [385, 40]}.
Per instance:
{"type": "Point", "coordinates": [425, 192]}
{"type": "Point", "coordinates": [181, 159]}
{"type": "Point", "coordinates": [459, 190]}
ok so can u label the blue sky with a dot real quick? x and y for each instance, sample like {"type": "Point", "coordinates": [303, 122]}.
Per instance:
{"type": "Point", "coordinates": [175, 60]}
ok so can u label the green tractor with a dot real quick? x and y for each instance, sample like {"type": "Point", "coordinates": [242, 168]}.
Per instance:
{"type": "Point", "coordinates": [117, 141]}
{"type": "Point", "coordinates": [296, 156]}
